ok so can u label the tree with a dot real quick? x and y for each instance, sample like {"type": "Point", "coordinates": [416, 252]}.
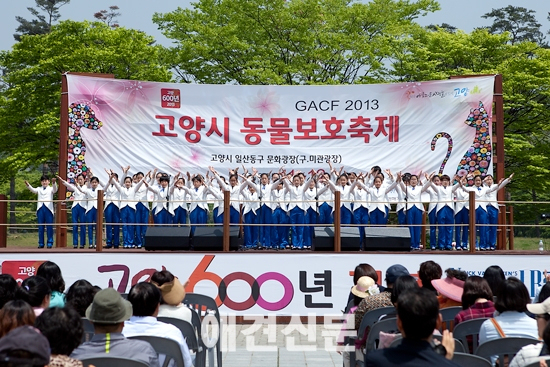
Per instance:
{"type": "Point", "coordinates": [43, 22]}
{"type": "Point", "coordinates": [287, 42]}
{"type": "Point", "coordinates": [109, 17]}
{"type": "Point", "coordinates": [29, 109]}
{"type": "Point", "coordinates": [518, 21]}
{"type": "Point", "coordinates": [445, 26]}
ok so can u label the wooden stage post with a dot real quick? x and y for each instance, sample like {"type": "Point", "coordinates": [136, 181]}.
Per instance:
{"type": "Point", "coordinates": [472, 222]}
{"type": "Point", "coordinates": [226, 208]}
{"type": "Point", "coordinates": [3, 220]}
{"type": "Point", "coordinates": [99, 222]}
{"type": "Point", "coordinates": [337, 222]}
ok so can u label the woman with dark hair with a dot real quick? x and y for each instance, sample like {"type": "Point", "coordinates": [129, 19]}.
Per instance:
{"type": "Point", "coordinates": [80, 295]}
{"type": "Point", "coordinates": [477, 300]}
{"type": "Point", "coordinates": [51, 272]}
{"type": "Point", "coordinates": [8, 286]}
{"type": "Point", "coordinates": [511, 304]}
{"type": "Point", "coordinates": [36, 292]}
{"type": "Point", "coordinates": [14, 314]}
{"type": "Point", "coordinates": [494, 275]}
{"type": "Point", "coordinates": [363, 270]}
{"type": "Point", "coordinates": [173, 293]}
{"type": "Point", "coordinates": [63, 329]}
{"type": "Point", "coordinates": [429, 270]}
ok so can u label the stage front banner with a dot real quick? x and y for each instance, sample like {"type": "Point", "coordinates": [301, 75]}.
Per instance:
{"type": "Point", "coordinates": [259, 284]}
{"type": "Point", "coordinates": [442, 126]}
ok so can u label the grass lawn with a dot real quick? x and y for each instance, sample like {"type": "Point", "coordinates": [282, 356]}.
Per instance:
{"type": "Point", "coordinates": [30, 240]}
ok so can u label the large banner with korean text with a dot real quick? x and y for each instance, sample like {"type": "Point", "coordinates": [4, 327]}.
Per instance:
{"type": "Point", "coordinates": [259, 284]}
{"type": "Point", "coordinates": [442, 126]}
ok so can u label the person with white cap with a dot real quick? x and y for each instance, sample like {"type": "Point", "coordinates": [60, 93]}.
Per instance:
{"type": "Point", "coordinates": [535, 352]}
{"type": "Point", "coordinates": [108, 312]}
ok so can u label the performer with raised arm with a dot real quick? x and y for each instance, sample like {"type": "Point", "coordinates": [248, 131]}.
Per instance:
{"type": "Point", "coordinates": [234, 189]}
{"type": "Point", "coordinates": [296, 209]}
{"type": "Point", "coordinates": [78, 209]}
{"type": "Point", "coordinates": [44, 209]}
{"type": "Point", "coordinates": [414, 210]}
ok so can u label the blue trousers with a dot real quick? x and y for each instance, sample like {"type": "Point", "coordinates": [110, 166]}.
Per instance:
{"type": "Point", "coordinates": [218, 219]}
{"type": "Point", "coordinates": [142, 218]}
{"type": "Point", "coordinates": [325, 214]}
{"type": "Point", "coordinates": [345, 216]}
{"type": "Point", "coordinates": [310, 218]}
{"type": "Point", "coordinates": [432, 217]}
{"type": "Point", "coordinates": [401, 217]}
{"type": "Point", "coordinates": [250, 232]}
{"type": "Point", "coordinates": [234, 216]}
{"type": "Point", "coordinates": [378, 217]}
{"type": "Point", "coordinates": [112, 227]}
{"type": "Point", "coordinates": [128, 217]}
{"type": "Point", "coordinates": [45, 220]}
{"type": "Point", "coordinates": [180, 216]}
{"type": "Point", "coordinates": [445, 216]}
{"type": "Point", "coordinates": [297, 217]}
{"type": "Point", "coordinates": [265, 217]}
{"type": "Point", "coordinates": [79, 216]}
{"type": "Point", "coordinates": [414, 216]}
{"type": "Point", "coordinates": [461, 232]}
{"type": "Point", "coordinates": [197, 216]}
{"type": "Point", "coordinates": [162, 217]}
{"type": "Point", "coordinates": [281, 232]}
{"type": "Point", "coordinates": [91, 218]}
{"type": "Point", "coordinates": [492, 218]}
{"type": "Point", "coordinates": [361, 216]}
{"type": "Point", "coordinates": [481, 218]}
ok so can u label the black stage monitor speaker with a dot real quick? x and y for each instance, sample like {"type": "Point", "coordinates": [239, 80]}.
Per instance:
{"type": "Point", "coordinates": [167, 238]}
{"type": "Point", "coordinates": [324, 239]}
{"type": "Point", "coordinates": [211, 238]}
{"type": "Point", "coordinates": [387, 239]}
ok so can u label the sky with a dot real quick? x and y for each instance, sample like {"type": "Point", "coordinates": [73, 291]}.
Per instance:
{"type": "Point", "coordinates": [137, 14]}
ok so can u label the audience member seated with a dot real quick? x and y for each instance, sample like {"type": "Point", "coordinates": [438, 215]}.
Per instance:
{"type": "Point", "coordinates": [15, 314]}
{"type": "Point", "coordinates": [494, 275]}
{"type": "Point", "coordinates": [145, 300]}
{"type": "Point", "coordinates": [477, 300]}
{"type": "Point", "coordinates": [63, 329]}
{"type": "Point", "coordinates": [401, 284]}
{"type": "Point", "coordinates": [51, 272]}
{"type": "Point", "coordinates": [417, 317]}
{"type": "Point", "coordinates": [172, 295]}
{"type": "Point", "coordinates": [363, 270]}
{"type": "Point", "coordinates": [107, 313]}
{"type": "Point", "coordinates": [36, 292]}
{"type": "Point", "coordinates": [534, 352]}
{"type": "Point", "coordinates": [544, 318]}
{"type": "Point", "coordinates": [511, 304]}
{"type": "Point", "coordinates": [24, 347]}
{"type": "Point", "coordinates": [429, 270]}
{"type": "Point", "coordinates": [383, 299]}
{"type": "Point", "coordinates": [450, 289]}
{"type": "Point", "coordinates": [8, 286]}
{"type": "Point", "coordinates": [365, 287]}
{"type": "Point", "coordinates": [80, 296]}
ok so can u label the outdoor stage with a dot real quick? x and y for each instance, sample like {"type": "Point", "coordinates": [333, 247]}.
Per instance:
{"type": "Point", "coordinates": [280, 283]}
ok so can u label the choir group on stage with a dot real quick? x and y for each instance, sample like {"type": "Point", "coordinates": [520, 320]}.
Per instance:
{"type": "Point", "coordinates": [279, 210]}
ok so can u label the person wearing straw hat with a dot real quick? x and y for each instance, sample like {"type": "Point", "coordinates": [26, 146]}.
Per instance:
{"type": "Point", "coordinates": [108, 312]}
{"type": "Point", "coordinates": [173, 293]}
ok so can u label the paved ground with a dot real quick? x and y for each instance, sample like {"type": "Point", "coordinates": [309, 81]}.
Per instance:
{"type": "Point", "coordinates": [279, 345]}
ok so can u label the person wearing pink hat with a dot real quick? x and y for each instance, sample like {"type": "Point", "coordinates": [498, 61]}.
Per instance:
{"type": "Point", "coordinates": [450, 289]}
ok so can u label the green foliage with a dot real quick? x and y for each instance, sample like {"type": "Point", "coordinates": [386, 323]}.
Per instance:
{"type": "Point", "coordinates": [43, 22]}
{"type": "Point", "coordinates": [287, 42]}
{"type": "Point", "coordinates": [519, 22]}
{"type": "Point", "coordinates": [25, 207]}
{"type": "Point", "coordinates": [29, 107]}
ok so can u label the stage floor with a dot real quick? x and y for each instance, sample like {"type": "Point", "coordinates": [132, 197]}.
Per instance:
{"type": "Point", "coordinates": [70, 250]}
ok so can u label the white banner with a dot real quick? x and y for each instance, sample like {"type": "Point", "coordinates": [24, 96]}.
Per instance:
{"type": "Point", "coordinates": [257, 284]}
{"type": "Point", "coordinates": [442, 126]}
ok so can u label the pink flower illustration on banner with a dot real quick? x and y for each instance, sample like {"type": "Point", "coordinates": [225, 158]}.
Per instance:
{"type": "Point", "coordinates": [265, 103]}
{"type": "Point", "coordinates": [176, 163]}
{"type": "Point", "coordinates": [195, 156]}
{"type": "Point", "coordinates": [136, 93]}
